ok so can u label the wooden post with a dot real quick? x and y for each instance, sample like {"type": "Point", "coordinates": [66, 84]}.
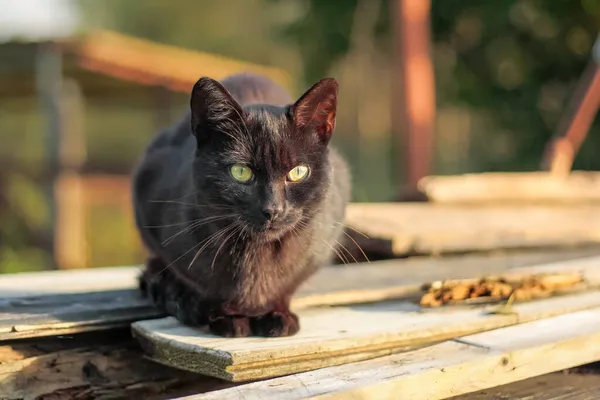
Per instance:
{"type": "Point", "coordinates": [49, 85]}
{"type": "Point", "coordinates": [413, 91]}
{"type": "Point", "coordinates": [71, 247]}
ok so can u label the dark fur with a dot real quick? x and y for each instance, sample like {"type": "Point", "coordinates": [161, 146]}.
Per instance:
{"type": "Point", "coordinates": [279, 232]}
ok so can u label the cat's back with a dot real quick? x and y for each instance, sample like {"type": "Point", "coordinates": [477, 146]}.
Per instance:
{"type": "Point", "coordinates": [248, 88]}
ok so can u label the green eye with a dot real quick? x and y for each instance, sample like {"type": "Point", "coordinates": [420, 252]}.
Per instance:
{"type": "Point", "coordinates": [300, 172]}
{"type": "Point", "coordinates": [241, 173]}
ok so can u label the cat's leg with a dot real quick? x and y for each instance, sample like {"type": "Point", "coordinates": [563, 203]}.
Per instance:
{"type": "Point", "coordinates": [279, 322]}
{"type": "Point", "coordinates": [172, 296]}
{"type": "Point", "coordinates": [150, 281]}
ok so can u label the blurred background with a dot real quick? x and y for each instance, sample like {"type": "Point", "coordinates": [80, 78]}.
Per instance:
{"type": "Point", "coordinates": [440, 87]}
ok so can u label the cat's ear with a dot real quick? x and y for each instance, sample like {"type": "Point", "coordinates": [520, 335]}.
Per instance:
{"type": "Point", "coordinates": [212, 106]}
{"type": "Point", "coordinates": [315, 110]}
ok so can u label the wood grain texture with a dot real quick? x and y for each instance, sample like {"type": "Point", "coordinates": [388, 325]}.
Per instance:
{"type": "Point", "coordinates": [90, 366]}
{"type": "Point", "coordinates": [64, 302]}
{"type": "Point", "coordinates": [334, 336]}
{"type": "Point", "coordinates": [68, 281]}
{"type": "Point", "coordinates": [65, 314]}
{"type": "Point", "coordinates": [555, 386]}
{"type": "Point", "coordinates": [429, 228]}
{"type": "Point", "coordinates": [515, 187]}
{"type": "Point", "coordinates": [444, 370]}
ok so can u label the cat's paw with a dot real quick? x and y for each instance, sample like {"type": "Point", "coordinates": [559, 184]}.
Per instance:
{"type": "Point", "coordinates": [229, 326]}
{"type": "Point", "coordinates": [275, 324]}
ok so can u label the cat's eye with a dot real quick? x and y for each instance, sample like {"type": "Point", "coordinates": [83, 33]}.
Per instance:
{"type": "Point", "coordinates": [241, 173]}
{"type": "Point", "coordinates": [298, 173]}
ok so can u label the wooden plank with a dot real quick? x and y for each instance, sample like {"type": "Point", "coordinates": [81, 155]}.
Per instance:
{"type": "Point", "coordinates": [366, 276]}
{"type": "Point", "coordinates": [423, 228]}
{"type": "Point", "coordinates": [91, 366]}
{"type": "Point", "coordinates": [555, 386]}
{"type": "Point", "coordinates": [63, 314]}
{"type": "Point", "coordinates": [61, 302]}
{"type": "Point", "coordinates": [68, 282]}
{"type": "Point", "coordinates": [447, 369]}
{"type": "Point", "coordinates": [334, 336]}
{"type": "Point", "coordinates": [518, 187]}
{"type": "Point", "coordinates": [151, 63]}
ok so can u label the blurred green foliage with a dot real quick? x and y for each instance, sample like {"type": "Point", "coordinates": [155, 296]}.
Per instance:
{"type": "Point", "coordinates": [514, 61]}
{"type": "Point", "coordinates": [24, 216]}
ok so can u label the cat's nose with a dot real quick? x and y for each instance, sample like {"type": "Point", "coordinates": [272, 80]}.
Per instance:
{"type": "Point", "coordinates": [272, 212]}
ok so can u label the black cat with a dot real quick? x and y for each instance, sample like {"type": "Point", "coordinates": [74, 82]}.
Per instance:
{"type": "Point", "coordinates": [240, 203]}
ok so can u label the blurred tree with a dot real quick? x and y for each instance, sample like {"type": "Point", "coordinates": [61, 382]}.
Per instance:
{"type": "Point", "coordinates": [24, 217]}
{"type": "Point", "coordinates": [515, 62]}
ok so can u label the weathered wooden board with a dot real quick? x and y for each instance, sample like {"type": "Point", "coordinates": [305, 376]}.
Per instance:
{"type": "Point", "coordinates": [429, 228]}
{"type": "Point", "coordinates": [37, 284]}
{"type": "Point", "coordinates": [334, 336]}
{"type": "Point", "coordinates": [72, 313]}
{"type": "Point", "coordinates": [91, 366]}
{"type": "Point", "coordinates": [514, 187]}
{"type": "Point", "coordinates": [554, 386]}
{"type": "Point", "coordinates": [63, 302]}
{"type": "Point", "coordinates": [444, 370]}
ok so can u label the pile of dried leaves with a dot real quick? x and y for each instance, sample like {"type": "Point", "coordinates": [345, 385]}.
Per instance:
{"type": "Point", "coordinates": [497, 288]}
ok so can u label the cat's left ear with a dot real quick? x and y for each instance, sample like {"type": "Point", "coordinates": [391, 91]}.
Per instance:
{"type": "Point", "coordinates": [315, 110]}
{"type": "Point", "coordinates": [214, 110]}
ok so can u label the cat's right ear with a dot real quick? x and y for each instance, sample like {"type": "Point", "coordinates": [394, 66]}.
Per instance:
{"type": "Point", "coordinates": [213, 109]}
{"type": "Point", "coordinates": [314, 112]}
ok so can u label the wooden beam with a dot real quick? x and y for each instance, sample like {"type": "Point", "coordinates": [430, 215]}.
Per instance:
{"type": "Point", "coordinates": [67, 314]}
{"type": "Point", "coordinates": [151, 63]}
{"type": "Point", "coordinates": [567, 385]}
{"type": "Point", "coordinates": [447, 369]}
{"type": "Point", "coordinates": [49, 81]}
{"type": "Point", "coordinates": [90, 366]}
{"type": "Point", "coordinates": [71, 301]}
{"type": "Point", "coordinates": [516, 188]}
{"type": "Point", "coordinates": [70, 245]}
{"type": "Point", "coordinates": [429, 228]}
{"type": "Point", "coordinates": [339, 335]}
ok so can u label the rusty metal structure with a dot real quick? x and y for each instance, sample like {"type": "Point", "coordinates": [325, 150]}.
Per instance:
{"type": "Point", "coordinates": [413, 112]}
{"type": "Point", "coordinates": [561, 150]}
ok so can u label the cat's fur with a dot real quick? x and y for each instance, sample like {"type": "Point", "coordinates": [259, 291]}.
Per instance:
{"type": "Point", "coordinates": [241, 282]}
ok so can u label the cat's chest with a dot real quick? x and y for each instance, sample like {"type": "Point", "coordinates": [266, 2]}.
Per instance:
{"type": "Point", "coordinates": [265, 275]}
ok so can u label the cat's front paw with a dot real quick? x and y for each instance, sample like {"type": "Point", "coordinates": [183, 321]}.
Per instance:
{"type": "Point", "coordinates": [229, 326]}
{"type": "Point", "coordinates": [275, 324]}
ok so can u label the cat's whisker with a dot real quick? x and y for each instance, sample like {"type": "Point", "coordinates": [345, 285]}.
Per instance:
{"type": "Point", "coordinates": [352, 229]}
{"type": "Point", "coordinates": [195, 225]}
{"type": "Point", "coordinates": [181, 203]}
{"type": "Point", "coordinates": [184, 254]}
{"type": "Point", "coordinates": [357, 245]}
{"type": "Point", "coordinates": [208, 241]}
{"type": "Point", "coordinates": [188, 195]}
{"type": "Point", "coordinates": [347, 251]}
{"type": "Point", "coordinates": [337, 253]}
{"type": "Point", "coordinates": [172, 237]}
{"type": "Point", "coordinates": [169, 225]}
{"type": "Point", "coordinates": [236, 230]}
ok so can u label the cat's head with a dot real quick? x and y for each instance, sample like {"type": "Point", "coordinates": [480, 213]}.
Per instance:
{"type": "Point", "coordinates": [266, 165]}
